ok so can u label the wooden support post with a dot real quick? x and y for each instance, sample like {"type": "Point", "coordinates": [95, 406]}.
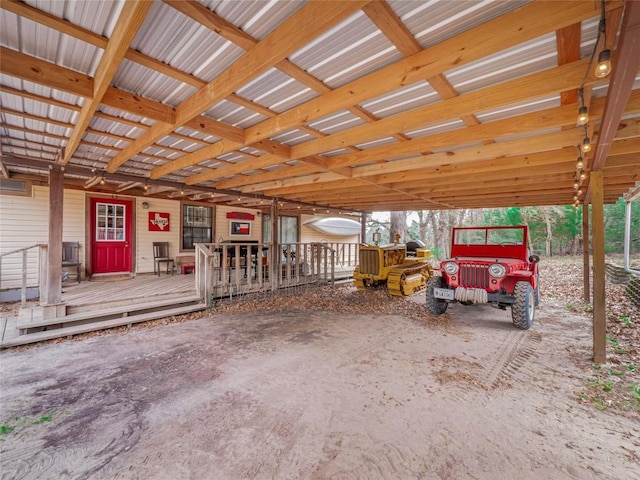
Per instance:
{"type": "Point", "coordinates": [597, 226]}
{"type": "Point", "coordinates": [275, 248]}
{"type": "Point", "coordinates": [54, 253]}
{"type": "Point", "coordinates": [363, 227]}
{"type": "Point", "coordinates": [586, 242]}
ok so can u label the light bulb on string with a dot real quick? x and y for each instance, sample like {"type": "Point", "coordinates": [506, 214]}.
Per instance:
{"type": "Point", "coordinates": [579, 163]}
{"type": "Point", "coordinates": [586, 145]}
{"type": "Point", "coordinates": [604, 64]}
{"type": "Point", "coordinates": [583, 175]}
{"type": "Point", "coordinates": [583, 116]}
{"type": "Point", "coordinates": [576, 183]}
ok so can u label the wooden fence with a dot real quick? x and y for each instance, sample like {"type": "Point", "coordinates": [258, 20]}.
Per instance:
{"type": "Point", "coordinates": [228, 269]}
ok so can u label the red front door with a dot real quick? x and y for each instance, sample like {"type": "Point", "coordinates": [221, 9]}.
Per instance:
{"type": "Point", "coordinates": [111, 227]}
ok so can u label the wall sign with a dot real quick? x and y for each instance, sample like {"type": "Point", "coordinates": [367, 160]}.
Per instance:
{"type": "Point", "coordinates": [240, 228]}
{"type": "Point", "coordinates": [159, 222]}
{"type": "Point", "coordinates": [241, 215]}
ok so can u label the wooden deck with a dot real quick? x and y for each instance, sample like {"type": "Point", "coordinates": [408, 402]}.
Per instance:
{"type": "Point", "coordinates": [141, 288]}
{"type": "Point", "coordinates": [105, 303]}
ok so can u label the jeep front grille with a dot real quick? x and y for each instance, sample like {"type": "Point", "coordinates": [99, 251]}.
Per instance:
{"type": "Point", "coordinates": [473, 275]}
{"type": "Point", "coordinates": [369, 262]}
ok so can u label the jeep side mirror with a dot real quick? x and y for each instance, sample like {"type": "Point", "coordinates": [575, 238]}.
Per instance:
{"type": "Point", "coordinates": [534, 258]}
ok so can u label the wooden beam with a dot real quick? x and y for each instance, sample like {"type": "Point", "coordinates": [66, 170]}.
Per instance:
{"type": "Point", "coordinates": [568, 46]}
{"type": "Point", "coordinates": [304, 25]}
{"type": "Point", "coordinates": [130, 20]}
{"type": "Point", "coordinates": [54, 252]}
{"type": "Point", "coordinates": [44, 73]}
{"type": "Point", "coordinates": [538, 84]}
{"type": "Point", "coordinates": [623, 78]}
{"type": "Point", "coordinates": [132, 103]}
{"type": "Point", "coordinates": [513, 28]}
{"type": "Point", "coordinates": [599, 314]}
{"type": "Point", "coordinates": [586, 242]}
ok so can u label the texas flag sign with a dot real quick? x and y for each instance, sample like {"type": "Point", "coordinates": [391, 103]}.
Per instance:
{"type": "Point", "coordinates": [158, 222]}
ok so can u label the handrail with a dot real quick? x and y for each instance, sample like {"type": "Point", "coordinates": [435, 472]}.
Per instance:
{"type": "Point", "coordinates": [42, 267]}
{"type": "Point", "coordinates": [22, 249]}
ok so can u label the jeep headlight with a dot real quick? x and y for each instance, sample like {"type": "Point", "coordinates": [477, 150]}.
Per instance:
{"type": "Point", "coordinates": [497, 270]}
{"type": "Point", "coordinates": [451, 268]}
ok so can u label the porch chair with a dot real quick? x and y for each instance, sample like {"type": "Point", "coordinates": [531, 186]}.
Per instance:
{"type": "Point", "coordinates": [71, 258]}
{"type": "Point", "coordinates": [161, 255]}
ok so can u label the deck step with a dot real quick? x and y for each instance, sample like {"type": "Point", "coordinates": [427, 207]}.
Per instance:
{"type": "Point", "coordinates": [100, 325]}
{"type": "Point", "coordinates": [105, 314]}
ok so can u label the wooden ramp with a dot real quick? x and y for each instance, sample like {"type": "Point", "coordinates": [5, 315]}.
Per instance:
{"type": "Point", "coordinates": [99, 305]}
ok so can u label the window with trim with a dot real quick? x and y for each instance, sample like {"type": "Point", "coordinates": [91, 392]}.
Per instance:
{"type": "Point", "coordinates": [197, 225]}
{"type": "Point", "coordinates": [287, 229]}
{"type": "Point", "coordinates": [10, 186]}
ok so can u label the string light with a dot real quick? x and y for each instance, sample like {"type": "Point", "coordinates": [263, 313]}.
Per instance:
{"type": "Point", "coordinates": [583, 116]}
{"type": "Point", "coordinates": [102, 181]}
{"type": "Point", "coordinates": [604, 64]}
{"type": "Point", "coordinates": [579, 163]}
{"type": "Point", "coordinates": [576, 183]}
{"type": "Point", "coordinates": [586, 145]}
{"type": "Point", "coordinates": [583, 175]}
{"type": "Point", "coordinates": [583, 112]}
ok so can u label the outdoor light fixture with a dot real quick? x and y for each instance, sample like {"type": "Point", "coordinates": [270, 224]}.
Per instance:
{"type": "Point", "coordinates": [377, 236]}
{"type": "Point", "coordinates": [604, 64]}
{"type": "Point", "coordinates": [583, 116]}
{"type": "Point", "coordinates": [586, 145]}
{"type": "Point", "coordinates": [145, 205]}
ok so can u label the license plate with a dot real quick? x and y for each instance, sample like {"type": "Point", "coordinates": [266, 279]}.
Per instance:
{"type": "Point", "coordinates": [443, 293]}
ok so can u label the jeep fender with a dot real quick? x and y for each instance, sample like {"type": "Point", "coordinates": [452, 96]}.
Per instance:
{"type": "Point", "coordinates": [509, 283]}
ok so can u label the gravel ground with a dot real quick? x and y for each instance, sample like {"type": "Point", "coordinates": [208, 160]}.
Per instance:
{"type": "Point", "coordinates": [319, 384]}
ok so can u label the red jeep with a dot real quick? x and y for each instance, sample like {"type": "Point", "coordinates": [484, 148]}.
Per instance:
{"type": "Point", "coordinates": [488, 265]}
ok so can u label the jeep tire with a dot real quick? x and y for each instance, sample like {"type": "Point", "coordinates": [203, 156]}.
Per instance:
{"type": "Point", "coordinates": [435, 305]}
{"type": "Point", "coordinates": [523, 309]}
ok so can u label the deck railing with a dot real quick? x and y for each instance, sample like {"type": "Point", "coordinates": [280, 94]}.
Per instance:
{"type": "Point", "coordinates": [228, 269]}
{"type": "Point", "coordinates": [40, 250]}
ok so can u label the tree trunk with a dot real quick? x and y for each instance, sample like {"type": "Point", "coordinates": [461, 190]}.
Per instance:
{"type": "Point", "coordinates": [548, 222]}
{"type": "Point", "coordinates": [398, 221]}
{"type": "Point", "coordinates": [525, 219]}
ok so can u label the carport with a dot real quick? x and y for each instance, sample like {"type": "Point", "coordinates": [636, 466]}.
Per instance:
{"type": "Point", "coordinates": [344, 107]}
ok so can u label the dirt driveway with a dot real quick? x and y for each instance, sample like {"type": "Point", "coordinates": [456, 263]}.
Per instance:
{"type": "Point", "coordinates": [301, 393]}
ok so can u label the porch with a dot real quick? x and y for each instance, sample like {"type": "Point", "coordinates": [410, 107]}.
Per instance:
{"type": "Point", "coordinates": [105, 302]}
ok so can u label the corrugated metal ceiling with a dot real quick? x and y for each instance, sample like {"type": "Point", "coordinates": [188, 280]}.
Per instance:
{"type": "Point", "coordinates": [351, 49]}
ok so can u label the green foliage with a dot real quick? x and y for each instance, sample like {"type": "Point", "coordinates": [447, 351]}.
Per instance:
{"type": "Point", "coordinates": [5, 428]}
{"type": "Point", "coordinates": [565, 221]}
{"type": "Point", "coordinates": [43, 419]}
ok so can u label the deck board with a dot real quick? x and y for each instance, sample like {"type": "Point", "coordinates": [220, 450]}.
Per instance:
{"type": "Point", "coordinates": [138, 287]}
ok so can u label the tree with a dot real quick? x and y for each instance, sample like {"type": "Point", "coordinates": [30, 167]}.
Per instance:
{"type": "Point", "coordinates": [398, 225]}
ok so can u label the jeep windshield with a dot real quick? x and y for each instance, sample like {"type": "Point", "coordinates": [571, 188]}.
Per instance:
{"type": "Point", "coordinates": [489, 236]}
{"type": "Point", "coordinates": [495, 242]}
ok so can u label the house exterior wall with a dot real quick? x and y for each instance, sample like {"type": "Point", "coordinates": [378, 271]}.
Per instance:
{"type": "Point", "coordinates": [24, 221]}
{"type": "Point", "coordinates": [144, 238]}
{"type": "Point", "coordinates": [221, 228]}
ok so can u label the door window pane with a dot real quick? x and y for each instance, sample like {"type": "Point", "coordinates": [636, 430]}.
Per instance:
{"type": "Point", "coordinates": [110, 224]}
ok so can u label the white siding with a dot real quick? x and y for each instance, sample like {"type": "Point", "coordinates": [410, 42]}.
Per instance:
{"type": "Point", "coordinates": [308, 234]}
{"type": "Point", "coordinates": [24, 221]}
{"type": "Point", "coordinates": [145, 238]}
{"type": "Point", "coordinates": [221, 229]}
